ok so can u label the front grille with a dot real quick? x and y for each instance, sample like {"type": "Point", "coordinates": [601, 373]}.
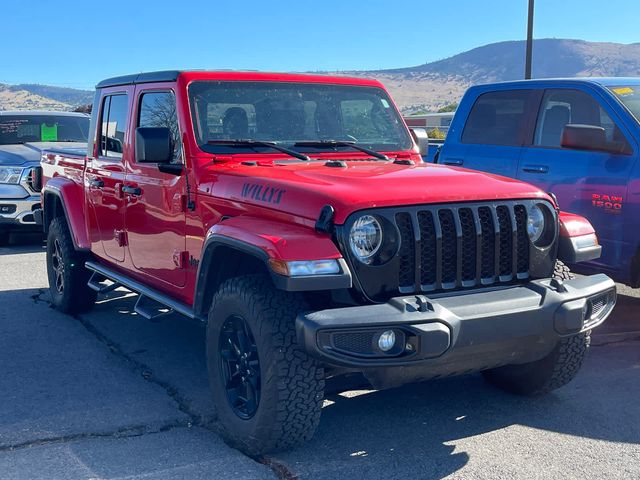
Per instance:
{"type": "Point", "coordinates": [448, 247]}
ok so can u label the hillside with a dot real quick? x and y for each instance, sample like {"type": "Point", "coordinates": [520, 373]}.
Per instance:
{"type": "Point", "coordinates": [438, 83]}
{"type": "Point", "coordinates": [428, 86]}
{"type": "Point", "coordinates": [42, 97]}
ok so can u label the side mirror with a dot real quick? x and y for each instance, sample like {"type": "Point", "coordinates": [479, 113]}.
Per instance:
{"type": "Point", "coordinates": [153, 145]}
{"type": "Point", "coordinates": [422, 139]}
{"type": "Point", "coordinates": [583, 137]}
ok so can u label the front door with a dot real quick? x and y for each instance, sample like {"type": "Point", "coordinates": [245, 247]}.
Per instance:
{"type": "Point", "coordinates": [155, 212]}
{"type": "Point", "coordinates": [590, 183]}
{"type": "Point", "coordinates": [105, 176]}
{"type": "Point", "coordinates": [493, 135]}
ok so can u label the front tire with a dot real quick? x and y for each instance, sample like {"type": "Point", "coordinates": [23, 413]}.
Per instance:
{"type": "Point", "coordinates": [551, 372]}
{"type": "Point", "coordinates": [268, 392]}
{"type": "Point", "coordinates": [67, 274]}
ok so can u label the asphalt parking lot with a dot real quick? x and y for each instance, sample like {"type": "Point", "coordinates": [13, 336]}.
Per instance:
{"type": "Point", "coordinates": [109, 395]}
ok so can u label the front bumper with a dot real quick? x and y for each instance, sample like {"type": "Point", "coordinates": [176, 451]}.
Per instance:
{"type": "Point", "coordinates": [459, 332]}
{"type": "Point", "coordinates": [19, 213]}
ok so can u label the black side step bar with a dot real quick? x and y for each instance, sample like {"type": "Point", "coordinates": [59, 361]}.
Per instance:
{"type": "Point", "coordinates": [150, 305]}
{"type": "Point", "coordinates": [96, 282]}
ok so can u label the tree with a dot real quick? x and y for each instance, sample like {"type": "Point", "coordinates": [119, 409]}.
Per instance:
{"type": "Point", "coordinates": [449, 108]}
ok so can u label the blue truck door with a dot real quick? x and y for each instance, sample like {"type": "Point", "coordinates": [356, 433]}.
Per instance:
{"type": "Point", "coordinates": [492, 136]}
{"type": "Point", "coordinates": [589, 183]}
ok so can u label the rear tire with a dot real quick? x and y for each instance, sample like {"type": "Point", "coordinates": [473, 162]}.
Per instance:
{"type": "Point", "coordinates": [67, 274]}
{"type": "Point", "coordinates": [551, 372]}
{"type": "Point", "coordinates": [272, 399]}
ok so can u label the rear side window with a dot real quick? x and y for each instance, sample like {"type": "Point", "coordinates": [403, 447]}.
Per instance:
{"type": "Point", "coordinates": [566, 106]}
{"type": "Point", "coordinates": [498, 118]}
{"type": "Point", "coordinates": [114, 125]}
{"type": "Point", "coordinates": [158, 109]}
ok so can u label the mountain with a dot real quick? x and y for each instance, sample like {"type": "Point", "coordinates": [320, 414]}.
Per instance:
{"type": "Point", "coordinates": [70, 96]}
{"type": "Point", "coordinates": [428, 86]}
{"type": "Point", "coordinates": [435, 84]}
{"type": "Point", "coordinates": [42, 97]}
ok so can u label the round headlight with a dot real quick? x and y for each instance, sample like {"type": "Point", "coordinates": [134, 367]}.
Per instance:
{"type": "Point", "coordinates": [365, 238]}
{"type": "Point", "coordinates": [535, 223]}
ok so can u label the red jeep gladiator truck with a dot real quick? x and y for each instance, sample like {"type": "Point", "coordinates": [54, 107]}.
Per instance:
{"type": "Point", "coordinates": [292, 215]}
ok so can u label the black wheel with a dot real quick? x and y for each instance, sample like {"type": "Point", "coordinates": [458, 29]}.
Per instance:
{"type": "Point", "coordinates": [240, 366]}
{"type": "Point", "coordinates": [67, 275]}
{"type": "Point", "coordinates": [551, 372]}
{"type": "Point", "coordinates": [268, 392]}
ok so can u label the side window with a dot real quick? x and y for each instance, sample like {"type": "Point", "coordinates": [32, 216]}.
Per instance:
{"type": "Point", "coordinates": [158, 109]}
{"type": "Point", "coordinates": [565, 106]}
{"type": "Point", "coordinates": [497, 118]}
{"type": "Point", "coordinates": [114, 125]}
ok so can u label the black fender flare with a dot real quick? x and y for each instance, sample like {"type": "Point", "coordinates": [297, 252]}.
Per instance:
{"type": "Point", "coordinates": [282, 282]}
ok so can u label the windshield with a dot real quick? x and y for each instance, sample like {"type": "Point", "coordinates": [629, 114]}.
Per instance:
{"type": "Point", "coordinates": [43, 128]}
{"type": "Point", "coordinates": [289, 113]}
{"type": "Point", "coordinates": [630, 97]}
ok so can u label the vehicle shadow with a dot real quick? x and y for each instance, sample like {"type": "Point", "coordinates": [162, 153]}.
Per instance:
{"type": "Point", "coordinates": [417, 431]}
{"type": "Point", "coordinates": [20, 243]}
{"type": "Point", "coordinates": [417, 426]}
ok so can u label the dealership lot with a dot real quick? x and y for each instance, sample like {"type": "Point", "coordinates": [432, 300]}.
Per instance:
{"type": "Point", "coordinates": [111, 395]}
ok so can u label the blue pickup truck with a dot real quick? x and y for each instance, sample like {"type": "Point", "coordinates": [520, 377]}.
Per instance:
{"type": "Point", "coordinates": [576, 138]}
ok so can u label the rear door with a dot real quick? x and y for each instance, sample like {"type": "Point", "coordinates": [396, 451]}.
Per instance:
{"type": "Point", "coordinates": [491, 139]}
{"type": "Point", "coordinates": [589, 183]}
{"type": "Point", "coordinates": [105, 175]}
{"type": "Point", "coordinates": [155, 215]}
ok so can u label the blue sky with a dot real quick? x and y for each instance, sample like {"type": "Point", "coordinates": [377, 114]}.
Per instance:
{"type": "Point", "coordinates": [76, 43]}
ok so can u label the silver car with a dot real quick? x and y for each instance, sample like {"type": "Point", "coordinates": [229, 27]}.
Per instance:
{"type": "Point", "coordinates": [23, 136]}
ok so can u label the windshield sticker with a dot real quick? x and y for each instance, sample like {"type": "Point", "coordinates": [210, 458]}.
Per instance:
{"type": "Point", "coordinates": [262, 193]}
{"type": "Point", "coordinates": [385, 104]}
{"type": "Point", "coordinates": [623, 90]}
{"type": "Point", "coordinates": [49, 133]}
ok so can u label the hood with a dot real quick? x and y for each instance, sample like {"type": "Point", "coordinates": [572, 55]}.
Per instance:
{"type": "Point", "coordinates": [21, 155]}
{"type": "Point", "coordinates": [302, 189]}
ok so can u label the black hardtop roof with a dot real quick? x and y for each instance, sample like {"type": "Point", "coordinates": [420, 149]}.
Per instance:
{"type": "Point", "coordinates": [149, 77]}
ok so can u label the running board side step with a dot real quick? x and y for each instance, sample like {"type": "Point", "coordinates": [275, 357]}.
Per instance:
{"type": "Point", "coordinates": [151, 304]}
{"type": "Point", "coordinates": [96, 282]}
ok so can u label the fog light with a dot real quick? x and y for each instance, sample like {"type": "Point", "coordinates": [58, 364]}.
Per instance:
{"type": "Point", "coordinates": [387, 340]}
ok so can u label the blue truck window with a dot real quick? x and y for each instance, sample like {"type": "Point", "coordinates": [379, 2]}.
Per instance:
{"type": "Point", "coordinates": [498, 118]}
{"type": "Point", "coordinates": [561, 107]}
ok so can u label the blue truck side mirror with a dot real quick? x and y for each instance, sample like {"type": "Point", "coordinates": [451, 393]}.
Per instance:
{"type": "Point", "coordinates": [583, 137]}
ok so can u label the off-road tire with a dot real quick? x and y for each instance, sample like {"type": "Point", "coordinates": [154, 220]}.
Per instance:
{"type": "Point", "coordinates": [74, 296]}
{"type": "Point", "coordinates": [292, 383]}
{"type": "Point", "coordinates": [551, 372]}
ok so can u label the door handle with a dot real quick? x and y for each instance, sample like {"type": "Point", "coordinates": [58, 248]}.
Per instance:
{"type": "Point", "coordinates": [453, 161]}
{"type": "Point", "coordinates": [96, 183]}
{"type": "Point", "coordinates": [535, 168]}
{"type": "Point", "coordinates": [129, 190]}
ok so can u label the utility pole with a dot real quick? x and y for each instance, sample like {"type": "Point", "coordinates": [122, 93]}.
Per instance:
{"type": "Point", "coordinates": [527, 68]}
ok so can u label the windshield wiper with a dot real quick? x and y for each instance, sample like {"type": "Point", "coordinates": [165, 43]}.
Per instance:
{"type": "Point", "coordinates": [259, 143]}
{"type": "Point", "coordinates": [341, 143]}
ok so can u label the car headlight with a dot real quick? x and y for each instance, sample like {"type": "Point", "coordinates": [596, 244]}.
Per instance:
{"type": "Point", "coordinates": [365, 238]}
{"type": "Point", "coordinates": [10, 174]}
{"type": "Point", "coordinates": [535, 223]}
